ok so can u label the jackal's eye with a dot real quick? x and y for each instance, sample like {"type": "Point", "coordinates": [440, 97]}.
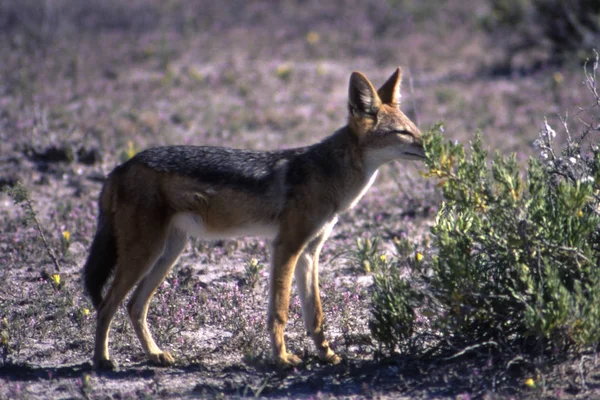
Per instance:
{"type": "Point", "coordinates": [403, 132]}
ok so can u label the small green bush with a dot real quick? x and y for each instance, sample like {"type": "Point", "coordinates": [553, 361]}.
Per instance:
{"type": "Point", "coordinates": [392, 311]}
{"type": "Point", "coordinates": [518, 257]}
{"type": "Point", "coordinates": [394, 300]}
{"type": "Point", "coordinates": [368, 256]}
{"type": "Point", "coordinates": [515, 257]}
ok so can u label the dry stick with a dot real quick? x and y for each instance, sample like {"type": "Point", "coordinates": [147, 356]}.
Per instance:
{"type": "Point", "coordinates": [412, 95]}
{"type": "Point", "coordinates": [20, 196]}
{"type": "Point", "coordinates": [39, 229]}
{"type": "Point", "coordinates": [582, 370]}
{"type": "Point", "coordinates": [471, 348]}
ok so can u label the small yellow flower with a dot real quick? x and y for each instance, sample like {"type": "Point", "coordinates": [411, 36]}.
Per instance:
{"type": "Point", "coordinates": [195, 74]}
{"type": "Point", "coordinates": [580, 214]}
{"type": "Point", "coordinates": [419, 257]}
{"type": "Point", "coordinates": [131, 149]}
{"type": "Point", "coordinates": [321, 70]}
{"type": "Point", "coordinates": [529, 382]}
{"type": "Point", "coordinates": [56, 279]}
{"type": "Point", "coordinates": [367, 266]}
{"type": "Point", "coordinates": [313, 38]}
{"type": "Point", "coordinates": [86, 381]}
{"type": "Point", "coordinates": [558, 78]}
{"type": "Point", "coordinates": [86, 311]}
{"type": "Point", "coordinates": [66, 235]}
{"type": "Point", "coordinates": [284, 71]}
{"type": "Point", "coordinates": [383, 258]}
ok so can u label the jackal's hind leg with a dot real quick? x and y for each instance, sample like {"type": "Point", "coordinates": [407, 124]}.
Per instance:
{"type": "Point", "coordinates": [282, 269]}
{"type": "Point", "coordinates": [131, 266]}
{"type": "Point", "coordinates": [140, 300]}
{"type": "Point", "coordinates": [307, 279]}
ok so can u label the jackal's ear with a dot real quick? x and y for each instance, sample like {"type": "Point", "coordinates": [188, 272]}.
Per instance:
{"type": "Point", "coordinates": [362, 96]}
{"type": "Point", "coordinates": [389, 93]}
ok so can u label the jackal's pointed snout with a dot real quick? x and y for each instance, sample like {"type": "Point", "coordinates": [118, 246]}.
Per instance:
{"type": "Point", "coordinates": [415, 150]}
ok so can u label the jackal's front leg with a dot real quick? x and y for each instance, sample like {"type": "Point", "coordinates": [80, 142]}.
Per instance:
{"type": "Point", "coordinates": [285, 257]}
{"type": "Point", "coordinates": [307, 279]}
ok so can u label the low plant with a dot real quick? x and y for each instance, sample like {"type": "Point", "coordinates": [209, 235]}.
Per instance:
{"type": "Point", "coordinates": [129, 152]}
{"type": "Point", "coordinates": [392, 312]}
{"type": "Point", "coordinates": [368, 256]}
{"type": "Point", "coordinates": [394, 300]}
{"type": "Point", "coordinates": [253, 273]}
{"type": "Point", "coordinates": [516, 253]}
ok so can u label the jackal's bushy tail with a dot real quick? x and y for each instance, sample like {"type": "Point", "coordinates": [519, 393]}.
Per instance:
{"type": "Point", "coordinates": [102, 259]}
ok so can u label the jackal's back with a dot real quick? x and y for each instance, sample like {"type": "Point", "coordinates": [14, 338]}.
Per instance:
{"type": "Point", "coordinates": [220, 166]}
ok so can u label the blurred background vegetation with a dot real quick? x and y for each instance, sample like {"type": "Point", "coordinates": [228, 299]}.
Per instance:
{"type": "Point", "coordinates": [567, 28]}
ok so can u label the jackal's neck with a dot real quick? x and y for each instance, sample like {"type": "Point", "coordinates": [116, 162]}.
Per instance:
{"type": "Point", "coordinates": [341, 160]}
{"type": "Point", "coordinates": [343, 147]}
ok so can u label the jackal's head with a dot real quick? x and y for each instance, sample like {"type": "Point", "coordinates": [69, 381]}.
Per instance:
{"type": "Point", "coordinates": [383, 131]}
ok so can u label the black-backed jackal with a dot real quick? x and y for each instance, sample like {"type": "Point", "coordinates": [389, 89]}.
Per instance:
{"type": "Point", "coordinates": [151, 203]}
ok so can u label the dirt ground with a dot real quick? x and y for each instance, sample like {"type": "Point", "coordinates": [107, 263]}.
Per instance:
{"type": "Point", "coordinates": [84, 87]}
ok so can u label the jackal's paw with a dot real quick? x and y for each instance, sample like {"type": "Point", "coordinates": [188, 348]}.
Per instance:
{"type": "Point", "coordinates": [164, 359]}
{"type": "Point", "coordinates": [288, 360]}
{"type": "Point", "coordinates": [105, 365]}
{"type": "Point", "coordinates": [330, 357]}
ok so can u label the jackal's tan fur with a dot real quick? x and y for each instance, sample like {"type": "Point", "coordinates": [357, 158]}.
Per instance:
{"type": "Point", "coordinates": [150, 204]}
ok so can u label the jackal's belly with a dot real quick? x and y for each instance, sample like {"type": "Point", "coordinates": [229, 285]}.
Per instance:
{"type": "Point", "coordinates": [194, 225]}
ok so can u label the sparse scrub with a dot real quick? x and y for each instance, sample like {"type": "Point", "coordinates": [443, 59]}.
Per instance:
{"type": "Point", "coordinates": [516, 253]}
{"type": "Point", "coordinates": [393, 316]}
{"type": "Point", "coordinates": [394, 300]}
{"type": "Point", "coordinates": [253, 272]}
{"type": "Point", "coordinates": [368, 256]}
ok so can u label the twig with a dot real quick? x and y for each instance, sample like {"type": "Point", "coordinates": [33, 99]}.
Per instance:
{"type": "Point", "coordinates": [20, 196]}
{"type": "Point", "coordinates": [412, 96]}
{"type": "Point", "coordinates": [581, 371]}
{"type": "Point", "coordinates": [471, 348]}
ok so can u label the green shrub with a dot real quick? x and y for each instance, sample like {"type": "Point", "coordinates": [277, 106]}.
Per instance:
{"type": "Point", "coordinates": [392, 312]}
{"type": "Point", "coordinates": [394, 300]}
{"type": "Point", "coordinates": [368, 256]}
{"type": "Point", "coordinates": [515, 254]}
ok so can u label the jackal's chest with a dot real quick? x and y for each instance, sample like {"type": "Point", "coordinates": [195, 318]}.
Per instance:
{"type": "Point", "coordinates": [353, 196]}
